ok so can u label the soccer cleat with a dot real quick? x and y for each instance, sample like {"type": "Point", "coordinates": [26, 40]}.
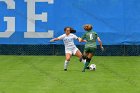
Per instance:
{"type": "Point", "coordinates": [80, 59]}
{"type": "Point", "coordinates": [87, 67]}
{"type": "Point", "coordinates": [65, 69]}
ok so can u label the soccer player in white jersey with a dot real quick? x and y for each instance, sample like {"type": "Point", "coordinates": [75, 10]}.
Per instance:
{"type": "Point", "coordinates": [70, 48]}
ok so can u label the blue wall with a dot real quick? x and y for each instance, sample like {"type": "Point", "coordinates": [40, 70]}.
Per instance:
{"type": "Point", "coordinates": [117, 22]}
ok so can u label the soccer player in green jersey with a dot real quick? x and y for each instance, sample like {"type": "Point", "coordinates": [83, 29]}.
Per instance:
{"type": "Point", "coordinates": [90, 46]}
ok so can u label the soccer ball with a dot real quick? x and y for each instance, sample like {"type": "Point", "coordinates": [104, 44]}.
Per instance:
{"type": "Point", "coordinates": [92, 67]}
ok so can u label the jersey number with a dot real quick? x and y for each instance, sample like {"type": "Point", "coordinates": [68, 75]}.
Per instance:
{"type": "Point", "coordinates": [91, 36]}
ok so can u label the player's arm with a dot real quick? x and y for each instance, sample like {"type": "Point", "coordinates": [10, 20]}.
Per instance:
{"type": "Point", "coordinates": [78, 38]}
{"type": "Point", "coordinates": [81, 40]}
{"type": "Point", "coordinates": [58, 38]}
{"type": "Point", "coordinates": [55, 39]}
{"type": "Point", "coordinates": [100, 42]}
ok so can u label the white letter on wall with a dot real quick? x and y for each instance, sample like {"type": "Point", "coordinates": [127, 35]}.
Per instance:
{"type": "Point", "coordinates": [10, 20]}
{"type": "Point", "coordinates": [32, 17]}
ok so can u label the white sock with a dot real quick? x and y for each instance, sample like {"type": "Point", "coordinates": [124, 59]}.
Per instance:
{"type": "Point", "coordinates": [84, 61]}
{"type": "Point", "coordinates": [66, 64]}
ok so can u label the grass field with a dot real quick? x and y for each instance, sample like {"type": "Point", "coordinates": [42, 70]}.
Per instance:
{"type": "Point", "coordinates": [44, 74]}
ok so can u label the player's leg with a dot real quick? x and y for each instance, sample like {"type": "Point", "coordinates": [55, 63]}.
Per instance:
{"type": "Point", "coordinates": [67, 60]}
{"type": "Point", "coordinates": [79, 55]}
{"type": "Point", "coordinates": [84, 56]}
{"type": "Point", "coordinates": [89, 57]}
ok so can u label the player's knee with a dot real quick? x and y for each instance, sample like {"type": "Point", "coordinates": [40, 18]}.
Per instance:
{"type": "Point", "coordinates": [84, 57]}
{"type": "Point", "coordinates": [88, 59]}
{"type": "Point", "coordinates": [68, 59]}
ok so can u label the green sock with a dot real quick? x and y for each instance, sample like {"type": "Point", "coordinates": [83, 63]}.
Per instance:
{"type": "Point", "coordinates": [85, 66]}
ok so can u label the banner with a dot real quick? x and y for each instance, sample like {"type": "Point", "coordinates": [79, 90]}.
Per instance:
{"type": "Point", "coordinates": [37, 21]}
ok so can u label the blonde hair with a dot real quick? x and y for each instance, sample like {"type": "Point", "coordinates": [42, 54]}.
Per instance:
{"type": "Point", "coordinates": [87, 27]}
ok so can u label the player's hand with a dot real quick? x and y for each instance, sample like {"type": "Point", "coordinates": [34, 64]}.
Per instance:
{"type": "Point", "coordinates": [80, 39]}
{"type": "Point", "coordinates": [102, 48]}
{"type": "Point", "coordinates": [52, 40]}
{"type": "Point", "coordinates": [84, 40]}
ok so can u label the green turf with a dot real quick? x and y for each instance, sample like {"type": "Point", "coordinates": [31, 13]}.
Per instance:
{"type": "Point", "coordinates": [44, 74]}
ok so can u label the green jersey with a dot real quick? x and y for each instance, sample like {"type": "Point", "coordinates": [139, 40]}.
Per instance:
{"type": "Point", "coordinates": [91, 37]}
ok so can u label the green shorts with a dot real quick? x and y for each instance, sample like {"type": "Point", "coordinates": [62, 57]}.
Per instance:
{"type": "Point", "coordinates": [90, 50]}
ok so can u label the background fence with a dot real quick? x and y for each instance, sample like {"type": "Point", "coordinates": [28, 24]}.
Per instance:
{"type": "Point", "coordinates": [112, 50]}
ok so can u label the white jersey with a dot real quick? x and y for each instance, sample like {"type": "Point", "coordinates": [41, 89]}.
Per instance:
{"type": "Point", "coordinates": [68, 40]}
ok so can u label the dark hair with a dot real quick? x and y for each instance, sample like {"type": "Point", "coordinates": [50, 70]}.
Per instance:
{"type": "Point", "coordinates": [71, 29]}
{"type": "Point", "coordinates": [66, 28]}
